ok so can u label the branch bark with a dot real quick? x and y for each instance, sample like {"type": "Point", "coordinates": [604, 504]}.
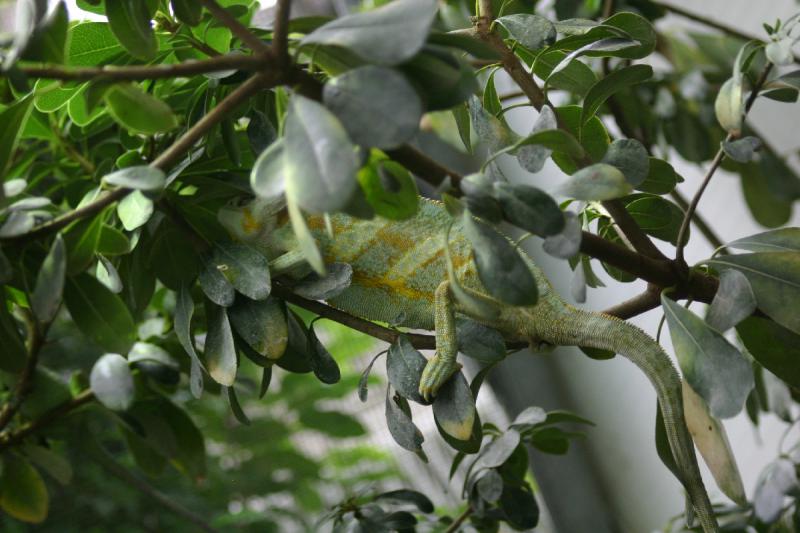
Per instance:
{"type": "Point", "coordinates": [237, 28]}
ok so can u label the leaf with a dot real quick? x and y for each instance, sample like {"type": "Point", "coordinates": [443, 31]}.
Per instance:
{"type": "Point", "coordinates": [596, 182]}
{"type": "Point", "coordinates": [401, 427]}
{"type": "Point", "coordinates": [305, 240]}
{"type": "Point", "coordinates": [630, 157]}
{"type": "Point", "coordinates": [661, 177]}
{"type": "Point", "coordinates": [497, 452]}
{"type": "Point", "coordinates": [501, 268]}
{"type": "Point", "coordinates": [576, 78]}
{"type": "Point", "coordinates": [364, 378]}
{"type": "Point", "coordinates": [711, 440]}
{"type": "Point", "coordinates": [314, 287]}
{"type": "Point", "coordinates": [742, 150]}
{"type": "Point", "coordinates": [529, 208]}
{"type": "Point", "coordinates": [567, 243]}
{"type": "Point", "coordinates": [779, 240]}
{"type": "Point", "coordinates": [46, 297]}
{"type": "Point", "coordinates": [266, 378]}
{"type": "Point", "coordinates": [519, 506]}
{"type": "Point", "coordinates": [244, 267]}
{"type": "Point", "coordinates": [389, 189]}
{"type": "Point", "coordinates": [236, 408]}
{"type": "Point", "coordinates": [99, 313]}
{"type": "Point", "coordinates": [107, 274]}
{"type": "Point", "coordinates": [23, 493]}
{"type": "Point", "coordinates": [780, 52]}
{"type": "Point", "coordinates": [220, 352]}
{"type": "Point", "coordinates": [488, 128]}
{"type": "Point", "coordinates": [417, 499]}
{"type": "Point", "coordinates": [733, 302]}
{"type": "Point", "coordinates": [187, 11]}
{"type": "Point", "coordinates": [48, 42]}
{"type": "Point", "coordinates": [322, 362]}
{"type": "Point", "coordinates": [134, 210]}
{"type": "Point", "coordinates": [184, 309]}
{"type": "Point", "coordinates": [319, 160]}
{"type": "Point", "coordinates": [529, 417]}
{"type": "Point", "coordinates": [376, 105]}
{"type": "Point", "coordinates": [530, 30]}
{"type": "Point", "coordinates": [532, 157]}
{"type": "Point", "coordinates": [776, 348]}
{"type": "Point", "coordinates": [215, 285]}
{"type": "Point", "coordinates": [404, 366]}
{"type": "Point", "coordinates": [775, 279]}
{"type": "Point", "coordinates": [777, 481]}
{"type": "Point", "coordinates": [480, 342]}
{"type": "Point", "coordinates": [138, 111]}
{"type": "Point", "coordinates": [268, 176]}
{"type": "Point", "coordinates": [656, 216]}
{"type": "Point", "coordinates": [490, 486]}
{"type": "Point", "coordinates": [556, 140]}
{"type": "Point", "coordinates": [713, 367]}
{"type": "Point", "coordinates": [17, 223]}
{"type": "Point", "coordinates": [112, 382]}
{"type": "Point", "coordinates": [296, 358]}
{"type": "Point", "coordinates": [454, 408]}
{"type": "Point", "coordinates": [143, 177]}
{"type": "Point", "coordinates": [12, 122]}
{"type": "Point", "coordinates": [332, 423]}
{"type": "Point", "coordinates": [729, 105]}
{"type": "Point", "coordinates": [130, 22]}
{"type": "Point", "coordinates": [607, 46]}
{"type": "Point", "coordinates": [13, 355]}
{"type": "Point", "coordinates": [613, 83]}
{"type": "Point", "coordinates": [262, 325]}
{"type": "Point", "coordinates": [387, 35]}
{"type": "Point", "coordinates": [51, 462]}
{"type": "Point", "coordinates": [81, 240]}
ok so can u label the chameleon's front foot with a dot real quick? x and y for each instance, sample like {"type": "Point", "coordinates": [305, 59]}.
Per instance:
{"type": "Point", "coordinates": [436, 373]}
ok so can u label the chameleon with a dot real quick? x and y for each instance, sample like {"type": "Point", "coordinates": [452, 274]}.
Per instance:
{"type": "Point", "coordinates": [400, 277]}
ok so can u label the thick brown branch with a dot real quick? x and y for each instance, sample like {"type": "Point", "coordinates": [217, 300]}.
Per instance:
{"type": "Point", "coordinates": [147, 72]}
{"type": "Point", "coordinates": [238, 29]}
{"type": "Point", "coordinates": [650, 299]}
{"type": "Point", "coordinates": [280, 32]}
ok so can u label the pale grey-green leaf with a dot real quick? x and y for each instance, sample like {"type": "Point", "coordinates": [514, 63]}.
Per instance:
{"type": "Point", "coordinates": [597, 182]}
{"type": "Point", "coordinates": [733, 302]}
{"type": "Point", "coordinates": [49, 288]}
{"type": "Point", "coordinates": [729, 105]}
{"type": "Point", "coordinates": [742, 150]}
{"type": "Point", "coordinates": [112, 382]}
{"type": "Point", "coordinates": [143, 177]}
{"type": "Point", "coordinates": [777, 240]}
{"type": "Point", "coordinates": [567, 243]}
{"type": "Point", "coordinates": [134, 210]}
{"type": "Point", "coordinates": [220, 352]}
{"type": "Point", "coordinates": [268, 176]}
{"type": "Point", "coordinates": [107, 274]}
{"type": "Point", "coordinates": [315, 287]}
{"type": "Point", "coordinates": [631, 158]}
{"type": "Point", "coordinates": [532, 157]}
{"type": "Point", "coordinates": [530, 30]}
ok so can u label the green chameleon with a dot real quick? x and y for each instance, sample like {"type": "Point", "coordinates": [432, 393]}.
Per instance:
{"type": "Point", "coordinates": [400, 277]}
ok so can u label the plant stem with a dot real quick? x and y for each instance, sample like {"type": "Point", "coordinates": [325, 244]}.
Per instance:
{"type": "Point", "coordinates": [458, 521]}
{"type": "Point", "coordinates": [36, 337]}
{"type": "Point", "coordinates": [11, 438]}
{"type": "Point", "coordinates": [238, 29]}
{"type": "Point", "coordinates": [280, 32]}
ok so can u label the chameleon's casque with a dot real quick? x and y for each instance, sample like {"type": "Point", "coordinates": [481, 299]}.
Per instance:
{"type": "Point", "coordinates": [400, 277]}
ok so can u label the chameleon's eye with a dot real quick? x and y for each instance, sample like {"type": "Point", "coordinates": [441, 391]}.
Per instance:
{"type": "Point", "coordinates": [240, 201]}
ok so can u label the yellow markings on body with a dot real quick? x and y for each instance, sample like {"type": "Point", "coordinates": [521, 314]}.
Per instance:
{"type": "Point", "coordinates": [249, 224]}
{"type": "Point", "coordinates": [397, 287]}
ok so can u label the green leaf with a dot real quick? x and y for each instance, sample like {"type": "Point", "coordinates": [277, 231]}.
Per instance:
{"type": "Point", "coordinates": [576, 78]}
{"type": "Point", "coordinates": [442, 80]}
{"type": "Point", "coordinates": [529, 208]}
{"type": "Point", "coordinates": [497, 452]}
{"type": "Point", "coordinates": [612, 83]}
{"type": "Point", "coordinates": [480, 342]}
{"type": "Point", "coordinates": [532, 157]}
{"type": "Point", "coordinates": [172, 257]}
{"type": "Point", "coordinates": [404, 366]}
{"type": "Point", "coordinates": [130, 22]}
{"type": "Point", "coordinates": [661, 177]}
{"type": "Point", "coordinates": [46, 297]}
{"type": "Point", "coordinates": [556, 140]}
{"type": "Point", "coordinates": [220, 352]}
{"type": "Point", "coordinates": [567, 243]}
{"type": "Point", "coordinates": [112, 382]}
{"type": "Point", "coordinates": [268, 176]}
{"type": "Point", "coordinates": [12, 122]}
{"type": "Point", "coordinates": [364, 378]}
{"type": "Point", "coordinates": [419, 500]}
{"type": "Point", "coordinates": [266, 378]}
{"type": "Point", "coordinates": [593, 138]}
{"type": "Point", "coordinates": [332, 423]}
{"type": "Point", "coordinates": [187, 11]}
{"type": "Point", "coordinates": [319, 160]}
{"type": "Point", "coordinates": [138, 111]}
{"type": "Point", "coordinates": [387, 35]}
{"type": "Point", "coordinates": [376, 105]}
{"type": "Point", "coordinates": [23, 494]}
{"type": "Point", "coordinates": [389, 189]}
{"type": "Point", "coordinates": [596, 182]}
{"type": "Point", "coordinates": [656, 216]}
{"type": "Point", "coordinates": [609, 46]}
{"type": "Point", "coordinates": [99, 313]}
{"type": "Point", "coordinates": [134, 210]}
{"type": "Point", "coordinates": [779, 240]}
{"type": "Point", "coordinates": [51, 462]}
{"type": "Point", "coordinates": [48, 42]}
{"type": "Point", "coordinates": [520, 507]}
{"type": "Point", "coordinates": [729, 105]}
{"type": "Point", "coordinates": [713, 367]}
{"type": "Point", "coordinates": [112, 242]}
{"type": "Point", "coordinates": [81, 240]}
{"type": "Point", "coordinates": [236, 408]}
{"type": "Point", "coordinates": [489, 129]}
{"type": "Point", "coordinates": [244, 267]}
{"type": "Point", "coordinates": [401, 427]}
{"type": "Point", "coordinates": [530, 30]}
{"type": "Point", "coordinates": [776, 348]}
{"type": "Point", "coordinates": [501, 268]}
{"type": "Point", "coordinates": [142, 177]}
{"type": "Point", "coordinates": [305, 240]}
{"type": "Point", "coordinates": [314, 287]}
{"type": "Point", "coordinates": [733, 302]}
{"type": "Point", "coordinates": [295, 358]}
{"type": "Point", "coordinates": [630, 157]}
{"type": "Point", "coordinates": [528, 418]}
{"type": "Point", "coordinates": [742, 150]}
{"type": "Point", "coordinates": [92, 44]}
{"type": "Point", "coordinates": [260, 131]}
{"type": "Point", "coordinates": [775, 279]}
{"type": "Point", "coordinates": [13, 355]}
{"type": "Point", "coordinates": [262, 325]}
{"type": "Point", "coordinates": [454, 408]}
{"type": "Point", "coordinates": [184, 309]}
{"type": "Point", "coordinates": [322, 362]}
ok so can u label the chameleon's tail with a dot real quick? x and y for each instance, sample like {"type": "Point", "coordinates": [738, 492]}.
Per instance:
{"type": "Point", "coordinates": [596, 330]}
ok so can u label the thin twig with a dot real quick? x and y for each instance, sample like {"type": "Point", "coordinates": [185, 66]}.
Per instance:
{"type": "Point", "coordinates": [239, 30]}
{"type": "Point", "coordinates": [104, 459]}
{"type": "Point", "coordinates": [147, 72]}
{"type": "Point", "coordinates": [458, 521]}
{"type": "Point", "coordinates": [8, 439]}
{"type": "Point", "coordinates": [641, 303]}
{"type": "Point", "coordinates": [36, 336]}
{"type": "Point", "coordinates": [720, 155]}
{"type": "Point", "coordinates": [280, 32]}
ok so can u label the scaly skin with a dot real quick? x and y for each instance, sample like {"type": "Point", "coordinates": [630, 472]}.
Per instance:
{"type": "Point", "coordinates": [400, 277]}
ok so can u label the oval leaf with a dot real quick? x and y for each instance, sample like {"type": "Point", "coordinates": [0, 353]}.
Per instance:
{"type": "Point", "coordinates": [630, 157]}
{"type": "Point", "coordinates": [529, 208]}
{"type": "Point", "coordinates": [454, 408]}
{"type": "Point", "coordinates": [245, 268]}
{"type": "Point", "coordinates": [268, 176]}
{"type": "Point", "coordinates": [143, 177]}
{"type": "Point", "coordinates": [23, 493]}
{"type": "Point", "coordinates": [46, 297]}
{"type": "Point", "coordinates": [112, 382]}
{"type": "Point", "coordinates": [779, 240]}
{"type": "Point", "coordinates": [404, 366]}
{"type": "Point", "coordinates": [220, 352]}
{"type": "Point", "coordinates": [596, 182]}
{"type": "Point", "coordinates": [262, 325]}
{"type": "Point", "coordinates": [139, 111]}
{"type": "Point", "coordinates": [729, 105]}
{"type": "Point", "coordinates": [130, 22]}
{"type": "Point", "coordinates": [99, 313]}
{"type": "Point", "coordinates": [733, 302]}
{"type": "Point", "coordinates": [530, 30]}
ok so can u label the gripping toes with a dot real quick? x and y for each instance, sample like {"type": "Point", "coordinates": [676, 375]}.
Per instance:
{"type": "Point", "coordinates": [436, 373]}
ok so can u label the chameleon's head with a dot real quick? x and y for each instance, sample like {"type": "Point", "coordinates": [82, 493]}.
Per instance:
{"type": "Point", "coordinates": [246, 218]}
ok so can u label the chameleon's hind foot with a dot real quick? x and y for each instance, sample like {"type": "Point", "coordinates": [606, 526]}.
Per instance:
{"type": "Point", "coordinates": [436, 373]}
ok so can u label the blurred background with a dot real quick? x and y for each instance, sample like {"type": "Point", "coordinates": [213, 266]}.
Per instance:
{"type": "Point", "coordinates": [611, 481]}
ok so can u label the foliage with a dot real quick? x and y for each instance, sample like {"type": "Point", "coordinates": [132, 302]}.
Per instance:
{"type": "Point", "coordinates": [128, 309]}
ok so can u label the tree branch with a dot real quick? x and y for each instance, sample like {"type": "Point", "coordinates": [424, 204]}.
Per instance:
{"type": "Point", "coordinates": [147, 72]}
{"type": "Point", "coordinates": [36, 337]}
{"type": "Point", "coordinates": [460, 520]}
{"type": "Point", "coordinates": [238, 29]}
{"type": "Point", "coordinates": [720, 155]}
{"type": "Point", "coordinates": [280, 32]}
{"type": "Point", "coordinates": [649, 299]}
{"type": "Point", "coordinates": [11, 438]}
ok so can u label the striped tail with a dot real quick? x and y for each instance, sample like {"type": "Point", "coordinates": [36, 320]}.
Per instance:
{"type": "Point", "coordinates": [595, 330]}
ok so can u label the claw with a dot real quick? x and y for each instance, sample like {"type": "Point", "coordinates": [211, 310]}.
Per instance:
{"type": "Point", "coordinates": [436, 373]}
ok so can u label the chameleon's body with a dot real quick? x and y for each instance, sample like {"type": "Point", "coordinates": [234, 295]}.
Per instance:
{"type": "Point", "coordinates": [400, 277]}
